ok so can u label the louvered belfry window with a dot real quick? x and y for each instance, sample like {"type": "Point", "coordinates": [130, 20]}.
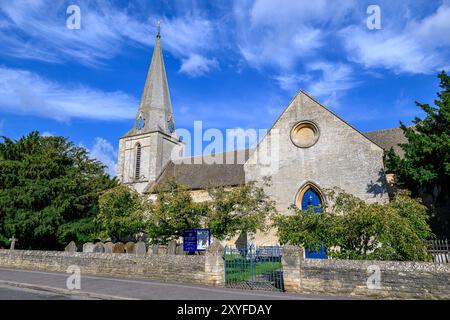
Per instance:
{"type": "Point", "coordinates": [137, 171]}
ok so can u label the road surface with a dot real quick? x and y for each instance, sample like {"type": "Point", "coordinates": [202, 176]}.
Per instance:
{"type": "Point", "coordinates": [29, 284]}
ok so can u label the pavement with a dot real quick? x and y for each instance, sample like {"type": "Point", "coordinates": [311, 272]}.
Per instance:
{"type": "Point", "coordinates": [39, 285]}
{"type": "Point", "coordinates": [15, 293]}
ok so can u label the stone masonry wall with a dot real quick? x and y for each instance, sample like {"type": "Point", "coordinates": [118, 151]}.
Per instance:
{"type": "Point", "coordinates": [204, 269]}
{"type": "Point", "coordinates": [342, 157]}
{"type": "Point", "coordinates": [398, 280]}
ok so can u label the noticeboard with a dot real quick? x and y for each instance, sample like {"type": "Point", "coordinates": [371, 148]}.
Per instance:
{"type": "Point", "coordinates": [196, 240]}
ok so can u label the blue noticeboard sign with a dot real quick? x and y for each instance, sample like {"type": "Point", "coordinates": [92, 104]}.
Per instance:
{"type": "Point", "coordinates": [196, 240]}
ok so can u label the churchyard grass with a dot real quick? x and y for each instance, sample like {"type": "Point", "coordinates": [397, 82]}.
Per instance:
{"type": "Point", "coordinates": [241, 268]}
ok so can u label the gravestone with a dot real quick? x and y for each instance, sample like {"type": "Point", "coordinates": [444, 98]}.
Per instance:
{"type": "Point", "coordinates": [71, 247]}
{"type": "Point", "coordinates": [153, 249]}
{"type": "Point", "coordinates": [130, 247]}
{"type": "Point", "coordinates": [108, 247]}
{"type": "Point", "coordinates": [99, 247]}
{"type": "Point", "coordinates": [118, 247]}
{"type": "Point", "coordinates": [88, 247]}
{"type": "Point", "coordinates": [141, 249]}
{"type": "Point", "coordinates": [172, 248]}
{"type": "Point", "coordinates": [13, 243]}
{"type": "Point", "coordinates": [162, 249]}
{"type": "Point", "coordinates": [179, 249]}
{"type": "Point", "coordinates": [215, 249]}
{"type": "Point", "coordinates": [242, 242]}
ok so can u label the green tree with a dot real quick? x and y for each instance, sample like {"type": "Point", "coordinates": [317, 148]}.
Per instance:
{"type": "Point", "coordinates": [350, 228]}
{"type": "Point", "coordinates": [122, 213]}
{"type": "Point", "coordinates": [425, 168]}
{"type": "Point", "coordinates": [49, 191]}
{"type": "Point", "coordinates": [173, 212]}
{"type": "Point", "coordinates": [243, 209]}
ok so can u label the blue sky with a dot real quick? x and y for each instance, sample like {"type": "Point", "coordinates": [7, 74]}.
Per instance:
{"type": "Point", "coordinates": [229, 63]}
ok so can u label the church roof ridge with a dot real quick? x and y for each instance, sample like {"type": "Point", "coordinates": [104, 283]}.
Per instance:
{"type": "Point", "coordinates": [246, 151]}
{"type": "Point", "coordinates": [386, 129]}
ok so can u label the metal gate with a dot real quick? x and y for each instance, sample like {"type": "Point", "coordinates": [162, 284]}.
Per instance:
{"type": "Point", "coordinates": [254, 268]}
{"type": "Point", "coordinates": [440, 250]}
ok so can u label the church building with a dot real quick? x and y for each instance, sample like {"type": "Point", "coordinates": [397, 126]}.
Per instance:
{"type": "Point", "coordinates": [315, 150]}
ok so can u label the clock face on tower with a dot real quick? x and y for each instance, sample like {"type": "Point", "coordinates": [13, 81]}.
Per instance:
{"type": "Point", "coordinates": [140, 123]}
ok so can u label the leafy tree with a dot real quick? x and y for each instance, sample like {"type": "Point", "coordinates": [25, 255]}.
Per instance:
{"type": "Point", "coordinates": [173, 212]}
{"type": "Point", "coordinates": [425, 168]}
{"type": "Point", "coordinates": [48, 191]}
{"type": "Point", "coordinates": [122, 213]}
{"type": "Point", "coordinates": [350, 228]}
{"type": "Point", "coordinates": [241, 209]}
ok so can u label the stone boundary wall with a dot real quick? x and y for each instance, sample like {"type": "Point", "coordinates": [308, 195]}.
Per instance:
{"type": "Point", "coordinates": [205, 269]}
{"type": "Point", "coordinates": [398, 279]}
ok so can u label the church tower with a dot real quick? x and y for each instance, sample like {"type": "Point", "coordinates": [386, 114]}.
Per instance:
{"type": "Point", "coordinates": [147, 147]}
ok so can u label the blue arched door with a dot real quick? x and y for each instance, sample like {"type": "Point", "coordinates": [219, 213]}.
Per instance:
{"type": "Point", "coordinates": [312, 198]}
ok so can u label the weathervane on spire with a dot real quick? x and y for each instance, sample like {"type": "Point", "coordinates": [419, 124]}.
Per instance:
{"type": "Point", "coordinates": [159, 29]}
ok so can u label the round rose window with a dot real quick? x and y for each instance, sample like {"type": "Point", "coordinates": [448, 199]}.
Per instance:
{"type": "Point", "coordinates": [305, 134]}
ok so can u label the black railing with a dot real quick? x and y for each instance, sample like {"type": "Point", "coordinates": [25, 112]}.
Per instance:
{"type": "Point", "coordinates": [440, 251]}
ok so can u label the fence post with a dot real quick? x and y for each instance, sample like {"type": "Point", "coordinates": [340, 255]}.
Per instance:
{"type": "Point", "coordinates": [225, 264]}
{"type": "Point", "coordinates": [215, 264]}
{"type": "Point", "coordinates": [291, 257]}
{"type": "Point", "coordinates": [251, 266]}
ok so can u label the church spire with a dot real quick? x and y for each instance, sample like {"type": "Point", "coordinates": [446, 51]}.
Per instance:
{"type": "Point", "coordinates": [159, 29]}
{"type": "Point", "coordinates": [155, 110]}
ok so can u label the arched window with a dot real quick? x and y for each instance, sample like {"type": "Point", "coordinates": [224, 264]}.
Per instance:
{"type": "Point", "coordinates": [309, 195]}
{"type": "Point", "coordinates": [137, 169]}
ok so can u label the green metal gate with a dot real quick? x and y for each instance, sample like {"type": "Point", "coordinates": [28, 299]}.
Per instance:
{"type": "Point", "coordinates": [254, 268]}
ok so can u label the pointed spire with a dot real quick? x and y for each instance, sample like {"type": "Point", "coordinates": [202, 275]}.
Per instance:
{"type": "Point", "coordinates": [159, 29]}
{"type": "Point", "coordinates": [155, 110]}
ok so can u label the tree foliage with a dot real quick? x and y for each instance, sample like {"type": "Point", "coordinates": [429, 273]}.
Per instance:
{"type": "Point", "coordinates": [173, 212]}
{"type": "Point", "coordinates": [425, 168]}
{"type": "Point", "coordinates": [245, 209]}
{"type": "Point", "coordinates": [350, 228]}
{"type": "Point", "coordinates": [122, 213]}
{"type": "Point", "coordinates": [48, 191]}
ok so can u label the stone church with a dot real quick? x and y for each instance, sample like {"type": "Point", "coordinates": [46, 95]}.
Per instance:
{"type": "Point", "coordinates": [316, 150]}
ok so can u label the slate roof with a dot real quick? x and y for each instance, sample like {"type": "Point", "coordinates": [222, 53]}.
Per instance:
{"type": "Point", "coordinates": [199, 172]}
{"type": "Point", "coordinates": [388, 138]}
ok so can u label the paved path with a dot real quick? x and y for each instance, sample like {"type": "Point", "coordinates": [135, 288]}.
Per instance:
{"type": "Point", "coordinates": [14, 293]}
{"type": "Point", "coordinates": [93, 287]}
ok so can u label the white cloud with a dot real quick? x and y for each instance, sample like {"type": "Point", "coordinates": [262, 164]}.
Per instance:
{"type": "Point", "coordinates": [334, 80]}
{"type": "Point", "coordinates": [190, 33]}
{"type": "Point", "coordinates": [282, 34]}
{"type": "Point", "coordinates": [421, 46]}
{"type": "Point", "coordinates": [25, 92]}
{"type": "Point", "coordinates": [196, 65]}
{"type": "Point", "coordinates": [281, 50]}
{"type": "Point", "coordinates": [38, 31]}
{"type": "Point", "coordinates": [190, 38]}
{"type": "Point", "coordinates": [292, 82]}
{"type": "Point", "coordinates": [324, 80]}
{"type": "Point", "coordinates": [103, 151]}
{"type": "Point", "coordinates": [287, 38]}
{"type": "Point", "coordinates": [335, 77]}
